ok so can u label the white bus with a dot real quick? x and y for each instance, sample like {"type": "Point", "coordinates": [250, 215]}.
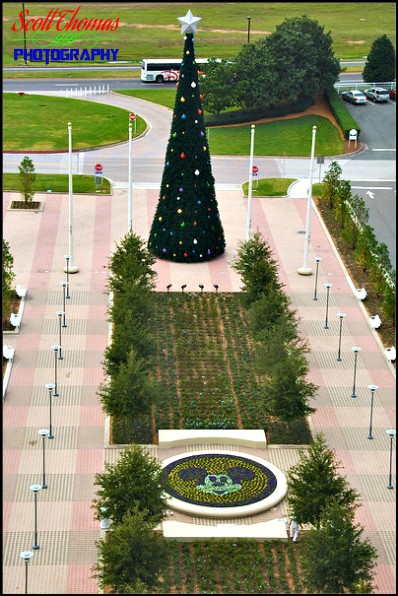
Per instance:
{"type": "Point", "coordinates": [158, 70]}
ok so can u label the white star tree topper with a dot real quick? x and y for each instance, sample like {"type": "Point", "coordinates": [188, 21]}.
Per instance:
{"type": "Point", "coordinates": [189, 23]}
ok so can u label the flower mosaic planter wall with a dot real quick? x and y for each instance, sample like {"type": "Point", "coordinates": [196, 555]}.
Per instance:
{"type": "Point", "coordinates": [222, 484]}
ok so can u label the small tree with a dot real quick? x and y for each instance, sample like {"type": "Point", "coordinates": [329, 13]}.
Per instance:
{"type": "Point", "coordinates": [331, 183]}
{"type": "Point", "coordinates": [314, 482]}
{"type": "Point", "coordinates": [134, 480]}
{"type": "Point", "coordinates": [131, 555]}
{"type": "Point", "coordinates": [27, 178]}
{"type": "Point", "coordinates": [129, 392]}
{"type": "Point", "coordinates": [131, 262]}
{"type": "Point", "coordinates": [334, 558]}
{"type": "Point", "coordinates": [380, 65]}
{"type": "Point", "coordinates": [8, 276]}
{"type": "Point", "coordinates": [257, 268]}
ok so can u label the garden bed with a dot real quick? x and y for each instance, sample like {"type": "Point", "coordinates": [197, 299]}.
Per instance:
{"type": "Point", "coordinates": [14, 308]}
{"type": "Point", "coordinates": [204, 370]}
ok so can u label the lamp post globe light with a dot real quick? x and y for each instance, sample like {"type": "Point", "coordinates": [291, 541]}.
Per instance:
{"type": "Point", "coordinates": [372, 388]}
{"type": "Point", "coordinates": [317, 261]}
{"type": "Point", "coordinates": [327, 286]}
{"type": "Point", "coordinates": [356, 350]}
{"type": "Point", "coordinates": [44, 432]}
{"type": "Point", "coordinates": [341, 316]}
{"type": "Point", "coordinates": [67, 271]}
{"type": "Point", "coordinates": [26, 555]}
{"type": "Point", "coordinates": [35, 489]}
{"type": "Point", "coordinates": [64, 285]}
{"type": "Point", "coordinates": [50, 387]}
{"type": "Point", "coordinates": [56, 348]}
{"type": "Point", "coordinates": [60, 314]}
{"type": "Point", "coordinates": [391, 434]}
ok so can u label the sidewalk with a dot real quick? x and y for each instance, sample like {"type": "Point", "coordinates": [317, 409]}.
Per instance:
{"type": "Point", "coordinates": [38, 241]}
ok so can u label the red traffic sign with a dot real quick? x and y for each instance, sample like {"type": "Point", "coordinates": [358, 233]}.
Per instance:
{"type": "Point", "coordinates": [132, 116]}
{"type": "Point", "coordinates": [254, 170]}
{"type": "Point", "coordinates": [98, 167]}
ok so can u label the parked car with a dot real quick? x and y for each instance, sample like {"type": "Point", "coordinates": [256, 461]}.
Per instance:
{"type": "Point", "coordinates": [355, 97]}
{"type": "Point", "coordinates": [391, 93]}
{"type": "Point", "coordinates": [377, 94]}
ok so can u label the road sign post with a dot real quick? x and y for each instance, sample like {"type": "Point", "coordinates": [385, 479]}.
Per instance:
{"type": "Point", "coordinates": [98, 175]}
{"type": "Point", "coordinates": [255, 174]}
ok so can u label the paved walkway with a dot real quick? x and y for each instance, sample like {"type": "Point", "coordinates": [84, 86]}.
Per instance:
{"type": "Point", "coordinates": [66, 529]}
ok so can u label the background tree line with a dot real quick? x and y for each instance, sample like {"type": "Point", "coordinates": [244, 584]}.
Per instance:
{"type": "Point", "coordinates": [294, 62]}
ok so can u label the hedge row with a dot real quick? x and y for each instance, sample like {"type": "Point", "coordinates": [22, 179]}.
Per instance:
{"type": "Point", "coordinates": [240, 116]}
{"type": "Point", "coordinates": [340, 112]}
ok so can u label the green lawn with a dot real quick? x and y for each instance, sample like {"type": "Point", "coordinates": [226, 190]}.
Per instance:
{"type": "Point", "coordinates": [149, 30]}
{"type": "Point", "coordinates": [40, 123]}
{"type": "Point", "coordinates": [58, 183]}
{"type": "Point", "coordinates": [269, 187]}
{"type": "Point", "coordinates": [290, 138]}
{"type": "Point", "coordinates": [164, 97]}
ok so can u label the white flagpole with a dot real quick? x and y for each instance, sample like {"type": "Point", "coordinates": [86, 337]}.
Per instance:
{"type": "Point", "coordinates": [305, 270]}
{"type": "Point", "coordinates": [70, 266]}
{"type": "Point", "coordinates": [130, 201]}
{"type": "Point", "coordinates": [250, 190]}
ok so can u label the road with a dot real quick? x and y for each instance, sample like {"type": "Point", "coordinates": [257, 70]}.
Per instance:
{"type": "Point", "coordinates": [371, 168]}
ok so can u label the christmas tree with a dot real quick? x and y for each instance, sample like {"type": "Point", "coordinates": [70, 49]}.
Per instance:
{"type": "Point", "coordinates": [187, 226]}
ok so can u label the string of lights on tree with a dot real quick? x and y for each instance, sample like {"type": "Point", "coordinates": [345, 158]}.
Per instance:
{"type": "Point", "coordinates": [187, 226]}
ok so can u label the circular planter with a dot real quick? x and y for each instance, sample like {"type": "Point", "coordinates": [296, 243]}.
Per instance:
{"type": "Point", "coordinates": [222, 484]}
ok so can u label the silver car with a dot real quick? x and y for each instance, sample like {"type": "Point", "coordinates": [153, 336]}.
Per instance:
{"type": "Point", "coordinates": [354, 97]}
{"type": "Point", "coordinates": [377, 94]}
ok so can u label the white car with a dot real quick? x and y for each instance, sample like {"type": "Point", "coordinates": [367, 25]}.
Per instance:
{"type": "Point", "coordinates": [354, 97]}
{"type": "Point", "coordinates": [377, 94]}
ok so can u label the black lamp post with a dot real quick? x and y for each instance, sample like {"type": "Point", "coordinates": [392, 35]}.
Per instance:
{"type": "Point", "coordinates": [372, 388]}
{"type": "Point", "coordinates": [391, 434]}
{"type": "Point", "coordinates": [317, 260]}
{"type": "Point", "coordinates": [168, 287]}
{"type": "Point", "coordinates": [341, 315]}
{"type": "Point", "coordinates": [64, 284]}
{"type": "Point", "coordinates": [43, 433]}
{"type": "Point", "coordinates": [55, 348]}
{"type": "Point", "coordinates": [201, 288]}
{"type": "Point", "coordinates": [35, 489]}
{"type": "Point", "coordinates": [216, 287]}
{"type": "Point", "coordinates": [355, 350]}
{"type": "Point", "coordinates": [327, 286]}
{"type": "Point", "coordinates": [60, 314]}
{"type": "Point", "coordinates": [248, 29]}
{"type": "Point", "coordinates": [183, 287]}
{"type": "Point", "coordinates": [26, 555]}
{"type": "Point", "coordinates": [67, 257]}
{"type": "Point", "coordinates": [50, 387]}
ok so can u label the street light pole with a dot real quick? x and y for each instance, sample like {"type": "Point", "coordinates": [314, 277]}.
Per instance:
{"type": "Point", "coordinates": [50, 387]}
{"type": "Point", "coordinates": [248, 29]}
{"type": "Point", "coordinates": [250, 190]}
{"type": "Point", "coordinates": [43, 433]}
{"type": "Point", "coordinates": [327, 286]}
{"type": "Point", "coordinates": [68, 258]}
{"type": "Point", "coordinates": [305, 270]}
{"type": "Point", "coordinates": [26, 555]}
{"type": "Point", "coordinates": [55, 348]}
{"type": "Point", "coordinates": [355, 350]}
{"type": "Point", "coordinates": [341, 315]}
{"type": "Point", "coordinates": [60, 314]}
{"type": "Point", "coordinates": [64, 284]}
{"type": "Point", "coordinates": [372, 388]}
{"type": "Point", "coordinates": [391, 434]}
{"type": "Point", "coordinates": [317, 260]}
{"type": "Point", "coordinates": [35, 488]}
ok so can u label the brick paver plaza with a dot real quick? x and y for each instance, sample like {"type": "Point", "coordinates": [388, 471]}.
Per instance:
{"type": "Point", "coordinates": [66, 529]}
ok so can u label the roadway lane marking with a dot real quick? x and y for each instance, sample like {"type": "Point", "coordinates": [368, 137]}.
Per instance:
{"type": "Point", "coordinates": [381, 149]}
{"type": "Point", "coordinates": [373, 187]}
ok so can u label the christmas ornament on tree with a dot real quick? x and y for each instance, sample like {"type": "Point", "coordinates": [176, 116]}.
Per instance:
{"type": "Point", "coordinates": [187, 226]}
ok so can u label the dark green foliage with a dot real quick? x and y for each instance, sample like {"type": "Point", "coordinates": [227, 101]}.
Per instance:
{"type": "Point", "coordinates": [216, 86]}
{"type": "Point", "coordinates": [131, 263]}
{"type": "Point", "coordinates": [335, 558]}
{"type": "Point", "coordinates": [133, 481]}
{"type": "Point", "coordinates": [341, 113]}
{"type": "Point", "coordinates": [27, 177]}
{"type": "Point", "coordinates": [187, 226]}
{"type": "Point", "coordinates": [314, 482]}
{"type": "Point", "coordinates": [8, 277]}
{"type": "Point", "coordinates": [130, 558]}
{"type": "Point", "coordinates": [271, 310]}
{"type": "Point", "coordinates": [286, 392]}
{"type": "Point", "coordinates": [257, 268]}
{"type": "Point", "coordinates": [380, 65]}
{"type": "Point", "coordinates": [129, 391]}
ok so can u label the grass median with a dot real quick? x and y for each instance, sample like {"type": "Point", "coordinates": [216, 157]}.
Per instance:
{"type": "Point", "coordinates": [40, 123]}
{"type": "Point", "coordinates": [82, 184]}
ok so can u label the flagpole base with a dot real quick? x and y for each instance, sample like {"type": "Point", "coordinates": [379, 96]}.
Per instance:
{"type": "Point", "coordinates": [72, 269]}
{"type": "Point", "coordinates": [304, 271]}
